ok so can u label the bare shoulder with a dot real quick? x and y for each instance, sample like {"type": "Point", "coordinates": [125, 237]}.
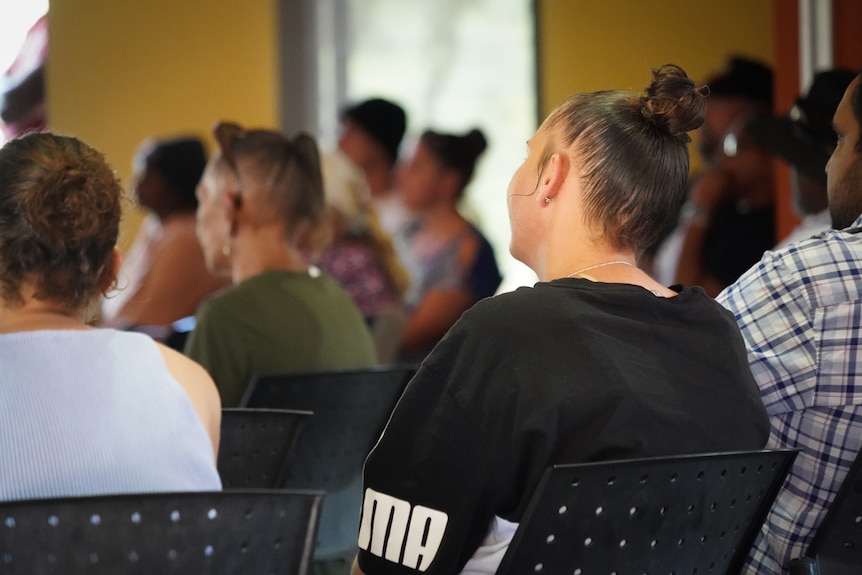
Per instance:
{"type": "Point", "coordinates": [184, 369]}
{"type": "Point", "coordinates": [200, 388]}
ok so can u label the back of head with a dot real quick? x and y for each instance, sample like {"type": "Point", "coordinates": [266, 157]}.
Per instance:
{"type": "Point", "coordinates": [805, 137]}
{"type": "Point", "coordinates": [281, 176]}
{"type": "Point", "coordinates": [632, 153]}
{"type": "Point", "coordinates": [745, 79]}
{"type": "Point", "coordinates": [456, 152]}
{"type": "Point", "coordinates": [181, 162]}
{"type": "Point", "coordinates": [384, 121]}
{"type": "Point", "coordinates": [59, 220]}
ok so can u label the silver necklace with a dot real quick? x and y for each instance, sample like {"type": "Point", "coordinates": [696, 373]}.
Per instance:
{"type": "Point", "coordinates": [601, 265]}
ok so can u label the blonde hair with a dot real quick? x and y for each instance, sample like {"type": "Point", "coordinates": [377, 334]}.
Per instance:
{"type": "Point", "coordinates": [346, 191]}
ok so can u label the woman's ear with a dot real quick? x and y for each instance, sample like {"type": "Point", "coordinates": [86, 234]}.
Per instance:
{"type": "Point", "coordinates": [233, 208]}
{"type": "Point", "coordinates": [552, 178]}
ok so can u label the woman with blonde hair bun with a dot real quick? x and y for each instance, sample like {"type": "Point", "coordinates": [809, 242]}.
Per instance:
{"type": "Point", "coordinates": [597, 361]}
{"type": "Point", "coordinates": [261, 204]}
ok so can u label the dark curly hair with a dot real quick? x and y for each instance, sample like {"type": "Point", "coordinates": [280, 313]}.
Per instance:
{"type": "Point", "coordinates": [60, 205]}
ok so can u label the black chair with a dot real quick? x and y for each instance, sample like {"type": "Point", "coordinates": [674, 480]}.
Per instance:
{"type": "Point", "coordinates": [836, 548]}
{"type": "Point", "coordinates": [208, 533]}
{"type": "Point", "coordinates": [351, 409]}
{"type": "Point", "coordinates": [688, 515]}
{"type": "Point", "coordinates": [257, 445]}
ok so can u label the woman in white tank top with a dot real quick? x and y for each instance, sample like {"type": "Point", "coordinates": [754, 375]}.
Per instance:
{"type": "Point", "coordinates": [84, 411]}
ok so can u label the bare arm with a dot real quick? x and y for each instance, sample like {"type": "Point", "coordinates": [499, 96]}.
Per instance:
{"type": "Point", "coordinates": [175, 282]}
{"type": "Point", "coordinates": [440, 308]}
{"type": "Point", "coordinates": [201, 391]}
{"type": "Point", "coordinates": [434, 315]}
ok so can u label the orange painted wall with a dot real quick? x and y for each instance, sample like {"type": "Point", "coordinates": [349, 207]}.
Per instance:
{"type": "Point", "coordinates": [847, 30]}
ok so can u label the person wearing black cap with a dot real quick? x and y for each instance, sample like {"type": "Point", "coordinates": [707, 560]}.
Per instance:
{"type": "Point", "coordinates": [164, 277]}
{"type": "Point", "coordinates": [804, 138]}
{"type": "Point", "coordinates": [371, 133]}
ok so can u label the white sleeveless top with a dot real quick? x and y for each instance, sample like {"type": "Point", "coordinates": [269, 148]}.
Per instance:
{"type": "Point", "coordinates": [95, 412]}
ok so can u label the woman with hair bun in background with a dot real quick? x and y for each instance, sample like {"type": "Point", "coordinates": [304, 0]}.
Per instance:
{"type": "Point", "coordinates": [597, 361]}
{"type": "Point", "coordinates": [450, 262]}
{"type": "Point", "coordinates": [84, 411]}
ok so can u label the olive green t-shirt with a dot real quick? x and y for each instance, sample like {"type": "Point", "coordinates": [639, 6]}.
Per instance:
{"type": "Point", "coordinates": [278, 322]}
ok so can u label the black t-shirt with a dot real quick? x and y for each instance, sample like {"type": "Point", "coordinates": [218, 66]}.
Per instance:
{"type": "Point", "coordinates": [567, 371]}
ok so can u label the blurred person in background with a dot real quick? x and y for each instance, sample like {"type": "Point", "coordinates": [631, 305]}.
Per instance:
{"type": "Point", "coordinates": [164, 276]}
{"type": "Point", "coordinates": [804, 138]}
{"type": "Point", "coordinates": [451, 264]}
{"type": "Point", "coordinates": [359, 254]}
{"type": "Point", "coordinates": [729, 219]}
{"type": "Point", "coordinates": [370, 136]}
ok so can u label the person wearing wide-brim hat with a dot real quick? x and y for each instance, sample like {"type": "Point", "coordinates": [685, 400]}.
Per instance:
{"type": "Point", "coordinates": [804, 138]}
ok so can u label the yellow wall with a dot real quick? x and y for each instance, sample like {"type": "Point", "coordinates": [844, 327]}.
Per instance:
{"type": "Point", "coordinates": [588, 45]}
{"type": "Point", "coordinates": [123, 70]}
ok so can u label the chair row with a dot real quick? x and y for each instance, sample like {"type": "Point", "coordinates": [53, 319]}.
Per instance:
{"type": "Point", "coordinates": [684, 514]}
{"type": "Point", "coordinates": [688, 514]}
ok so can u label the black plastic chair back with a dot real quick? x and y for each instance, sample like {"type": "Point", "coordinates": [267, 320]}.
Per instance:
{"type": "Point", "coordinates": [207, 533]}
{"type": "Point", "coordinates": [257, 446]}
{"type": "Point", "coordinates": [351, 408]}
{"type": "Point", "coordinates": [836, 548]}
{"type": "Point", "coordinates": [693, 514]}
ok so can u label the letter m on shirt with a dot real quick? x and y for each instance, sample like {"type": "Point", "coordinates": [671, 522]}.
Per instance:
{"type": "Point", "coordinates": [400, 532]}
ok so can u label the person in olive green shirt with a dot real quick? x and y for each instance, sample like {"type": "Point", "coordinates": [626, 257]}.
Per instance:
{"type": "Point", "coordinates": [260, 199]}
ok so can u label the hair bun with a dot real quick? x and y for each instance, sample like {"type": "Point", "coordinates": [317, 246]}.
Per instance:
{"type": "Point", "coordinates": [673, 102]}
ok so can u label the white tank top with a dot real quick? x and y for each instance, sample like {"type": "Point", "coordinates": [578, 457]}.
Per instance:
{"type": "Point", "coordinates": [95, 412]}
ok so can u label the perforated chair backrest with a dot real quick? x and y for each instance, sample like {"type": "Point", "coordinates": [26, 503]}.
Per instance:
{"type": "Point", "coordinates": [266, 532]}
{"type": "Point", "coordinates": [257, 446]}
{"type": "Point", "coordinates": [836, 548]}
{"type": "Point", "coordinates": [351, 408]}
{"type": "Point", "coordinates": [694, 514]}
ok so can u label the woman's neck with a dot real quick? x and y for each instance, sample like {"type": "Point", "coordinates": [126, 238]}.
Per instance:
{"type": "Point", "coordinates": [442, 217]}
{"type": "Point", "coordinates": [379, 178]}
{"type": "Point", "coordinates": [36, 315]}
{"type": "Point", "coordinates": [262, 250]}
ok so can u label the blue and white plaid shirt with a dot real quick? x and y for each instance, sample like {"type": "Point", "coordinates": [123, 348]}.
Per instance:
{"type": "Point", "coordinates": [800, 312]}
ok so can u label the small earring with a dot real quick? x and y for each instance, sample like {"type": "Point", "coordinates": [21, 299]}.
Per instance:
{"type": "Point", "coordinates": [226, 250]}
{"type": "Point", "coordinates": [547, 200]}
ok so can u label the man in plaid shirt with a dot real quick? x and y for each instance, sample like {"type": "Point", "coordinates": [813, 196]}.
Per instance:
{"type": "Point", "coordinates": [800, 312]}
